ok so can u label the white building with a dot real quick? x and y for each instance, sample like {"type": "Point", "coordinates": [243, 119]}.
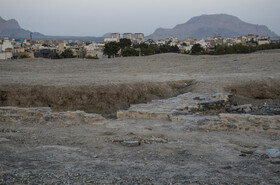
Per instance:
{"type": "Point", "coordinates": [128, 36]}
{"type": "Point", "coordinates": [5, 55]}
{"type": "Point", "coordinates": [106, 40]}
{"type": "Point", "coordinates": [185, 48]}
{"type": "Point", "coordinates": [116, 35]}
{"type": "Point", "coordinates": [202, 43]}
{"type": "Point", "coordinates": [161, 42]}
{"type": "Point", "coordinates": [6, 44]}
{"type": "Point", "coordinates": [135, 38]}
{"type": "Point", "coordinates": [263, 41]}
{"type": "Point", "coordinates": [138, 37]}
{"type": "Point", "coordinates": [94, 50]}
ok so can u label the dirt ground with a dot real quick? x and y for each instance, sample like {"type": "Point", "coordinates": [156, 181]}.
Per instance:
{"type": "Point", "coordinates": [169, 153]}
{"type": "Point", "coordinates": [211, 71]}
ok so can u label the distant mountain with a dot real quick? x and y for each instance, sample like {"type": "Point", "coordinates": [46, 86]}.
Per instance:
{"type": "Point", "coordinates": [211, 25]}
{"type": "Point", "coordinates": [8, 25]}
{"type": "Point", "coordinates": [11, 29]}
{"type": "Point", "coordinates": [106, 35]}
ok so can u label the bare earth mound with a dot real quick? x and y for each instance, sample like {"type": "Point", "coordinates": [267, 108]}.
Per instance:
{"type": "Point", "coordinates": [223, 128]}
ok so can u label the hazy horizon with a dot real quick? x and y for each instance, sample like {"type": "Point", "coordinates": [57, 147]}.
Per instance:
{"type": "Point", "coordinates": [95, 18]}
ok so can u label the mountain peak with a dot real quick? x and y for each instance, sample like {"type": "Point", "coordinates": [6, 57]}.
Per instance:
{"type": "Point", "coordinates": [212, 17]}
{"type": "Point", "coordinates": [210, 25]}
{"type": "Point", "coordinates": [11, 24]}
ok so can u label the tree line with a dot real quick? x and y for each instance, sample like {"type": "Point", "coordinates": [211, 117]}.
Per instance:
{"type": "Point", "coordinates": [234, 49]}
{"type": "Point", "coordinates": [125, 48]}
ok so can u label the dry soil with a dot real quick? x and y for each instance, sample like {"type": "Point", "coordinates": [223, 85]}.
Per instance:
{"type": "Point", "coordinates": [169, 153]}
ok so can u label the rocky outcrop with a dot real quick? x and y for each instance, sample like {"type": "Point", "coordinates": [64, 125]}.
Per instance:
{"type": "Point", "coordinates": [208, 111]}
{"type": "Point", "coordinates": [187, 103]}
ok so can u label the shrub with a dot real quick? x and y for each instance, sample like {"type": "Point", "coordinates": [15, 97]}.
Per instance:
{"type": "Point", "coordinates": [92, 57]}
{"type": "Point", "coordinates": [129, 52]}
{"type": "Point", "coordinates": [68, 53]}
{"type": "Point", "coordinates": [197, 49]}
{"type": "Point", "coordinates": [24, 56]}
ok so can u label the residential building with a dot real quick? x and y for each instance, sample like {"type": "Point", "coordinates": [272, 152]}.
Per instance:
{"type": "Point", "coordinates": [94, 50]}
{"type": "Point", "coordinates": [263, 41]}
{"type": "Point", "coordinates": [116, 35]}
{"type": "Point", "coordinates": [106, 40]}
{"type": "Point", "coordinates": [185, 48]}
{"type": "Point", "coordinates": [61, 47]}
{"type": "Point", "coordinates": [251, 37]}
{"type": "Point", "coordinates": [18, 50]}
{"type": "Point", "coordinates": [135, 38]}
{"type": "Point", "coordinates": [128, 36]}
{"type": "Point", "coordinates": [6, 44]}
{"type": "Point", "coordinates": [5, 55]}
{"type": "Point", "coordinates": [202, 43]}
{"type": "Point", "coordinates": [138, 38]}
{"type": "Point", "coordinates": [161, 42]}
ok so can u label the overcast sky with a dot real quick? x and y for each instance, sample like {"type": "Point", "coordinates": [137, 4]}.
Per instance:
{"type": "Point", "coordinates": [97, 17]}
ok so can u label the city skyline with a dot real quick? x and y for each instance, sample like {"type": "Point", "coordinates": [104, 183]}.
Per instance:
{"type": "Point", "coordinates": [94, 18]}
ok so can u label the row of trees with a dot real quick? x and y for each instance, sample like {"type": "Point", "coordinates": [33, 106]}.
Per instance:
{"type": "Point", "coordinates": [156, 49]}
{"type": "Point", "coordinates": [239, 48]}
{"type": "Point", "coordinates": [235, 49]}
{"type": "Point", "coordinates": [125, 48]}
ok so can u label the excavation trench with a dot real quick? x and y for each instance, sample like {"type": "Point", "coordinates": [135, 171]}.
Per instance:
{"type": "Point", "coordinates": [102, 99]}
{"type": "Point", "coordinates": [262, 95]}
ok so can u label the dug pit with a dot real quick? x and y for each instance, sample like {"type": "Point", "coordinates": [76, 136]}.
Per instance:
{"type": "Point", "coordinates": [102, 99]}
{"type": "Point", "coordinates": [256, 97]}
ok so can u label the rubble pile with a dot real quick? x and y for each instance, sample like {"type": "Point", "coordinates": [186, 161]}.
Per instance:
{"type": "Point", "coordinates": [184, 104]}
{"type": "Point", "coordinates": [209, 111]}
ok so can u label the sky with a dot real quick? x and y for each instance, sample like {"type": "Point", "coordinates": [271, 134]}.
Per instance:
{"type": "Point", "coordinates": [97, 17]}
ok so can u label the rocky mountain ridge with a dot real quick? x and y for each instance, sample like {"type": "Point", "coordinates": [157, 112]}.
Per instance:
{"type": "Point", "coordinates": [212, 25]}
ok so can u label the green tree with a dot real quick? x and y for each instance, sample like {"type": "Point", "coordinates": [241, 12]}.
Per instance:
{"type": "Point", "coordinates": [141, 45]}
{"type": "Point", "coordinates": [174, 49]}
{"type": "Point", "coordinates": [163, 49]}
{"type": "Point", "coordinates": [124, 43]}
{"type": "Point", "coordinates": [197, 49]}
{"type": "Point", "coordinates": [55, 55]}
{"type": "Point", "coordinates": [24, 56]}
{"type": "Point", "coordinates": [219, 50]}
{"type": "Point", "coordinates": [130, 52]}
{"type": "Point", "coordinates": [147, 51]}
{"type": "Point", "coordinates": [68, 53]}
{"type": "Point", "coordinates": [111, 49]}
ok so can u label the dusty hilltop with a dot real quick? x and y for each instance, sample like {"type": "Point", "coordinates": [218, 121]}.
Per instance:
{"type": "Point", "coordinates": [160, 119]}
